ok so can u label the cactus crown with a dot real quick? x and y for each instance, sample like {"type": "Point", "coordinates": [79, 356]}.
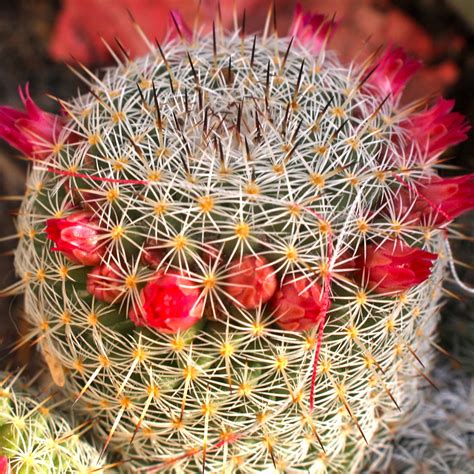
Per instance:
{"type": "Point", "coordinates": [227, 169]}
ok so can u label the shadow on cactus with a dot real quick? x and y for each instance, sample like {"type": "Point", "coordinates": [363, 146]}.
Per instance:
{"type": "Point", "coordinates": [232, 249]}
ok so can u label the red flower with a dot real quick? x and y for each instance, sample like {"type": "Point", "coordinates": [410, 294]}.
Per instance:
{"type": "Point", "coordinates": [439, 200]}
{"type": "Point", "coordinates": [394, 267]}
{"type": "Point", "coordinates": [168, 303]}
{"type": "Point", "coordinates": [393, 72]}
{"type": "Point", "coordinates": [311, 29]}
{"type": "Point", "coordinates": [4, 465]}
{"type": "Point", "coordinates": [437, 128]}
{"type": "Point", "coordinates": [298, 304]}
{"type": "Point", "coordinates": [252, 281]}
{"type": "Point", "coordinates": [32, 132]}
{"type": "Point", "coordinates": [77, 236]}
{"type": "Point", "coordinates": [106, 283]}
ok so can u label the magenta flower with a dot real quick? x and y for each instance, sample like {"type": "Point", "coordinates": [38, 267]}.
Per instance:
{"type": "Point", "coordinates": [77, 236]}
{"type": "Point", "coordinates": [437, 128]}
{"type": "Point", "coordinates": [311, 29]}
{"type": "Point", "coordinates": [393, 72]}
{"type": "Point", "coordinates": [168, 303]}
{"type": "Point", "coordinates": [438, 201]}
{"type": "Point", "coordinates": [181, 25]}
{"type": "Point", "coordinates": [106, 283]}
{"type": "Point", "coordinates": [394, 267]}
{"type": "Point", "coordinates": [4, 465]}
{"type": "Point", "coordinates": [33, 132]}
{"type": "Point", "coordinates": [251, 282]}
{"type": "Point", "coordinates": [298, 304]}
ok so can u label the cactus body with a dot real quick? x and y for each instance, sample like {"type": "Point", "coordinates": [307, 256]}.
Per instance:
{"type": "Point", "coordinates": [187, 162]}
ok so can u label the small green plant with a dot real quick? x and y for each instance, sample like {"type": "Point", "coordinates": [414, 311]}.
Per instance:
{"type": "Point", "coordinates": [34, 440]}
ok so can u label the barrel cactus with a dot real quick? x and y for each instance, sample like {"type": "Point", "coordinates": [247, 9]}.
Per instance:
{"type": "Point", "coordinates": [232, 248]}
{"type": "Point", "coordinates": [33, 440]}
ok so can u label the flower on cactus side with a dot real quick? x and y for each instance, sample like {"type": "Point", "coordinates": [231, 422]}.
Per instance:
{"type": "Point", "coordinates": [438, 201]}
{"type": "Point", "coordinates": [395, 267]}
{"type": "Point", "coordinates": [393, 72]}
{"type": "Point", "coordinates": [77, 236]}
{"type": "Point", "coordinates": [4, 465]}
{"type": "Point", "coordinates": [298, 304]}
{"type": "Point", "coordinates": [437, 129]}
{"type": "Point", "coordinates": [252, 281]}
{"type": "Point", "coordinates": [33, 131]}
{"type": "Point", "coordinates": [310, 29]}
{"type": "Point", "coordinates": [106, 283]}
{"type": "Point", "coordinates": [169, 303]}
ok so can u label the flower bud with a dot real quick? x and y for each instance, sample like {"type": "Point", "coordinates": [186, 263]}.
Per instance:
{"type": "Point", "coordinates": [152, 256]}
{"type": "Point", "coordinates": [298, 304]}
{"type": "Point", "coordinates": [32, 132]}
{"type": "Point", "coordinates": [106, 283]}
{"type": "Point", "coordinates": [77, 236]}
{"type": "Point", "coordinates": [169, 303]}
{"type": "Point", "coordinates": [311, 29]}
{"type": "Point", "coordinates": [436, 129]}
{"type": "Point", "coordinates": [4, 465]}
{"type": "Point", "coordinates": [393, 72]}
{"type": "Point", "coordinates": [394, 267]}
{"type": "Point", "coordinates": [251, 282]}
{"type": "Point", "coordinates": [438, 201]}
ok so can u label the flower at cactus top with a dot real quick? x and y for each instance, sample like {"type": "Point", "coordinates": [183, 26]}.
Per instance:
{"type": "Point", "coordinates": [77, 236]}
{"type": "Point", "coordinates": [169, 303]}
{"type": "Point", "coordinates": [252, 281]}
{"type": "Point", "coordinates": [105, 283]}
{"type": "Point", "coordinates": [4, 465]}
{"type": "Point", "coordinates": [438, 201]}
{"type": "Point", "coordinates": [311, 29]}
{"type": "Point", "coordinates": [436, 129]}
{"type": "Point", "coordinates": [298, 304]}
{"type": "Point", "coordinates": [32, 132]}
{"type": "Point", "coordinates": [394, 267]}
{"type": "Point", "coordinates": [393, 72]}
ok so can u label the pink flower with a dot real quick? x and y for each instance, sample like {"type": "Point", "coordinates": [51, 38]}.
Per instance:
{"type": "Point", "coordinates": [393, 72]}
{"type": "Point", "coordinates": [4, 465]}
{"type": "Point", "coordinates": [33, 132]}
{"type": "Point", "coordinates": [394, 267]}
{"type": "Point", "coordinates": [77, 236]}
{"type": "Point", "coordinates": [437, 128]}
{"type": "Point", "coordinates": [252, 281]}
{"type": "Point", "coordinates": [311, 29]}
{"type": "Point", "coordinates": [438, 201]}
{"type": "Point", "coordinates": [106, 283]}
{"type": "Point", "coordinates": [298, 304]}
{"type": "Point", "coordinates": [168, 303]}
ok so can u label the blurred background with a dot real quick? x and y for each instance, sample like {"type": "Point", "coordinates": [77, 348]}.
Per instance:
{"type": "Point", "coordinates": [39, 38]}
